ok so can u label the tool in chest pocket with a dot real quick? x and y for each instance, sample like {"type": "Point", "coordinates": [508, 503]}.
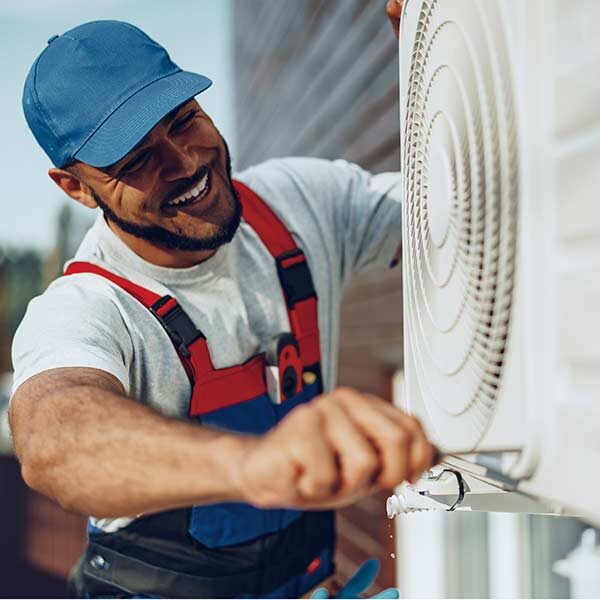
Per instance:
{"type": "Point", "coordinates": [284, 368]}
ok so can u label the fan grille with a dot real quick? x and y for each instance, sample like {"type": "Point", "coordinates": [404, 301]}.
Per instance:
{"type": "Point", "coordinates": [461, 188]}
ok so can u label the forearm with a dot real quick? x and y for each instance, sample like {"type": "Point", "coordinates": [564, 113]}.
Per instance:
{"type": "Point", "coordinates": [106, 455]}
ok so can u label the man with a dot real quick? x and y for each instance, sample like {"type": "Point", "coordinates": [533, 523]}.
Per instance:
{"type": "Point", "coordinates": [178, 382]}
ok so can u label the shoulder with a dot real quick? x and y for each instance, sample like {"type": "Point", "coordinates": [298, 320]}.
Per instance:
{"type": "Point", "coordinates": [307, 192]}
{"type": "Point", "coordinates": [76, 322]}
{"type": "Point", "coordinates": [301, 175]}
{"type": "Point", "coordinates": [84, 293]}
{"type": "Point", "coordinates": [81, 307]}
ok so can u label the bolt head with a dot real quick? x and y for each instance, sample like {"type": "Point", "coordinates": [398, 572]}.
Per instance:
{"type": "Point", "coordinates": [99, 562]}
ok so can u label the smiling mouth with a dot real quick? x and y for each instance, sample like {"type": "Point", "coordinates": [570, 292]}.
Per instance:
{"type": "Point", "coordinates": [195, 193]}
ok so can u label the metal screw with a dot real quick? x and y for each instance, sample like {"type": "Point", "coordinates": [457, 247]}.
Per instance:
{"type": "Point", "coordinates": [98, 562]}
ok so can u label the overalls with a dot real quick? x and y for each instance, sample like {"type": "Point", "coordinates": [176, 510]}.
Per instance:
{"type": "Point", "coordinates": [227, 549]}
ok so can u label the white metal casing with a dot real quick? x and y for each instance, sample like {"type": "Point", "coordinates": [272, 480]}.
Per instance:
{"type": "Point", "coordinates": [540, 57]}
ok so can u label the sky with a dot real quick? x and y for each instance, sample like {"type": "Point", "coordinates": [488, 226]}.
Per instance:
{"type": "Point", "coordinates": [198, 34]}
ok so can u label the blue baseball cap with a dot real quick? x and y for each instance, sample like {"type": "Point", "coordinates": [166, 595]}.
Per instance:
{"type": "Point", "coordinates": [95, 91]}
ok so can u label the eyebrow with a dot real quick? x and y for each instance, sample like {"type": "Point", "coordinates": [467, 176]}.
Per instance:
{"type": "Point", "coordinates": [132, 154]}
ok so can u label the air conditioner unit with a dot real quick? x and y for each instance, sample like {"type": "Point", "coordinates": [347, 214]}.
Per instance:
{"type": "Point", "coordinates": [500, 154]}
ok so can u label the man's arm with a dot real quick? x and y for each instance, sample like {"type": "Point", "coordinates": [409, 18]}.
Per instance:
{"type": "Point", "coordinates": [88, 446]}
{"type": "Point", "coordinates": [85, 444]}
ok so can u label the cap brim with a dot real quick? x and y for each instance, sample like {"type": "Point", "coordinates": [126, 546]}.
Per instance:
{"type": "Point", "coordinates": [135, 118]}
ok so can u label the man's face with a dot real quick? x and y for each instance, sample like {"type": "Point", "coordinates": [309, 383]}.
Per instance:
{"type": "Point", "coordinates": [174, 189]}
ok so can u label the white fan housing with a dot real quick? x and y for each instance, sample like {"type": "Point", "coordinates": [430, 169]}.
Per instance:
{"type": "Point", "coordinates": [500, 151]}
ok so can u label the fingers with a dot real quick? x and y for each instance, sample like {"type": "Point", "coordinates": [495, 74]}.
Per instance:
{"type": "Point", "coordinates": [392, 441]}
{"type": "Point", "coordinates": [358, 459]}
{"type": "Point", "coordinates": [422, 454]}
{"type": "Point", "coordinates": [404, 449]}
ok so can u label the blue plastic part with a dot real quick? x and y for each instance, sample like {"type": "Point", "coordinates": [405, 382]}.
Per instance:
{"type": "Point", "coordinates": [360, 582]}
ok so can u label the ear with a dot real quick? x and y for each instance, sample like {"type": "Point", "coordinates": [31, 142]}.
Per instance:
{"type": "Point", "coordinates": [73, 186]}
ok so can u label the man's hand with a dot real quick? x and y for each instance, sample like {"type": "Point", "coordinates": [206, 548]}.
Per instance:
{"type": "Point", "coordinates": [329, 453]}
{"type": "Point", "coordinates": [394, 12]}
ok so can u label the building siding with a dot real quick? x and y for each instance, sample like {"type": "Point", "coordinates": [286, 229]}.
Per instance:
{"type": "Point", "coordinates": [320, 78]}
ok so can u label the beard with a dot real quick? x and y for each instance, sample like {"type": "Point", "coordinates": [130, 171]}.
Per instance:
{"type": "Point", "coordinates": [165, 238]}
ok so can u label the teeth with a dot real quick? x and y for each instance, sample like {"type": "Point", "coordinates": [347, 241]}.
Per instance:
{"type": "Point", "coordinates": [193, 193]}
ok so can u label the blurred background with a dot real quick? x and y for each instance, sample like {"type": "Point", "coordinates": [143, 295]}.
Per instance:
{"type": "Point", "coordinates": [291, 77]}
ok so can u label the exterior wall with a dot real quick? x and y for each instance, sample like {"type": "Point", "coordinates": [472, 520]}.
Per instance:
{"type": "Point", "coordinates": [320, 78]}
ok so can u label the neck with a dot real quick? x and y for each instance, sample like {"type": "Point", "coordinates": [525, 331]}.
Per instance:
{"type": "Point", "coordinates": [157, 255]}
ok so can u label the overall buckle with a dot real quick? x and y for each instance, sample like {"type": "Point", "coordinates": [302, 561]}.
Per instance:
{"type": "Point", "coordinates": [176, 323]}
{"type": "Point", "coordinates": [295, 277]}
{"type": "Point", "coordinates": [284, 368]}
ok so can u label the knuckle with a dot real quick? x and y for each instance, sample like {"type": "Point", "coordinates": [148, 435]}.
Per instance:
{"type": "Point", "coordinates": [326, 485]}
{"type": "Point", "coordinates": [373, 398]}
{"type": "Point", "coordinates": [308, 416]}
{"type": "Point", "coordinates": [365, 464]}
{"type": "Point", "coordinates": [317, 486]}
{"type": "Point", "coordinates": [265, 498]}
{"type": "Point", "coordinates": [414, 419]}
{"type": "Point", "coordinates": [399, 437]}
{"type": "Point", "coordinates": [391, 480]}
{"type": "Point", "coordinates": [342, 391]}
{"type": "Point", "coordinates": [344, 388]}
{"type": "Point", "coordinates": [416, 422]}
{"type": "Point", "coordinates": [310, 489]}
{"type": "Point", "coordinates": [352, 392]}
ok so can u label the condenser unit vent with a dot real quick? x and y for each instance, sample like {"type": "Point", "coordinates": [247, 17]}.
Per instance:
{"type": "Point", "coordinates": [460, 165]}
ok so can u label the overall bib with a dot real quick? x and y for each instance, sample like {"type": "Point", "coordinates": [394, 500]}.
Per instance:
{"type": "Point", "coordinates": [227, 549]}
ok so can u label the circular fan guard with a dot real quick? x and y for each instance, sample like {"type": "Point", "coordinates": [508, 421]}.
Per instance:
{"type": "Point", "coordinates": [461, 188]}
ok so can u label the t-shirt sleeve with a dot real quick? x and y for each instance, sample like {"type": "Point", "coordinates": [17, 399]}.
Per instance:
{"type": "Point", "coordinates": [70, 326]}
{"type": "Point", "coordinates": [359, 212]}
{"type": "Point", "coordinates": [368, 217]}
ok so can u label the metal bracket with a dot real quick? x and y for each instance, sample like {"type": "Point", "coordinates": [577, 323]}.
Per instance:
{"type": "Point", "coordinates": [450, 490]}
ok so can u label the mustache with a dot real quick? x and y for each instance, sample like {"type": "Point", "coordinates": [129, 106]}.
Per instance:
{"type": "Point", "coordinates": [184, 185]}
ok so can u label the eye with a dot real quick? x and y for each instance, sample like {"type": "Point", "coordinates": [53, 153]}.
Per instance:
{"type": "Point", "coordinates": [134, 164]}
{"type": "Point", "coordinates": [182, 123]}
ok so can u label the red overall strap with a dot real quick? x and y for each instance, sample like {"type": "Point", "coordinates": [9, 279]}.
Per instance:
{"type": "Point", "coordinates": [146, 297]}
{"type": "Point", "coordinates": [294, 274]}
{"type": "Point", "coordinates": [195, 358]}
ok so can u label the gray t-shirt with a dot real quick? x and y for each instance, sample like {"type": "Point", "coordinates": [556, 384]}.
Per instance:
{"type": "Point", "coordinates": [343, 218]}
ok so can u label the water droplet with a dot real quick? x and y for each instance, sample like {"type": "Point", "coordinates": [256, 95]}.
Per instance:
{"type": "Point", "coordinates": [393, 555]}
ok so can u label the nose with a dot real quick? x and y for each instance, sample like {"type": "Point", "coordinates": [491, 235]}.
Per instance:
{"type": "Point", "coordinates": [176, 162]}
